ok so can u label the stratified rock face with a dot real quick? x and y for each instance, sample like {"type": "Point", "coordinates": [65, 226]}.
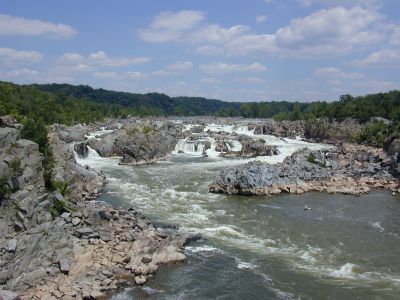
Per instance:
{"type": "Point", "coordinates": [350, 170]}
{"type": "Point", "coordinates": [21, 169]}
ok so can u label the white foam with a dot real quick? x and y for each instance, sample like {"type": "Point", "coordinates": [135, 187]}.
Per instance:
{"type": "Point", "coordinates": [200, 249]}
{"type": "Point", "coordinates": [377, 225]}
{"type": "Point", "coordinates": [345, 271]}
{"type": "Point", "coordinates": [246, 265]}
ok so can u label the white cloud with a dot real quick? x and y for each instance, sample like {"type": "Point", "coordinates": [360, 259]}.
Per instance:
{"type": "Point", "coordinates": [163, 73]}
{"type": "Point", "coordinates": [105, 75]}
{"type": "Point", "coordinates": [170, 26]}
{"type": "Point", "coordinates": [25, 75]}
{"type": "Point", "coordinates": [261, 19]}
{"type": "Point", "coordinates": [335, 73]}
{"type": "Point", "coordinates": [137, 75]}
{"type": "Point", "coordinates": [181, 66]}
{"type": "Point", "coordinates": [333, 31]}
{"type": "Point", "coordinates": [255, 80]}
{"type": "Point", "coordinates": [25, 72]}
{"type": "Point", "coordinates": [222, 68]}
{"type": "Point", "coordinates": [122, 76]}
{"type": "Point", "coordinates": [17, 26]}
{"type": "Point", "coordinates": [375, 86]}
{"type": "Point", "coordinates": [348, 3]}
{"type": "Point", "coordinates": [210, 80]}
{"type": "Point", "coordinates": [382, 57]}
{"type": "Point", "coordinates": [99, 59]}
{"type": "Point", "coordinates": [11, 57]}
{"type": "Point", "coordinates": [395, 38]}
{"type": "Point", "coordinates": [217, 34]}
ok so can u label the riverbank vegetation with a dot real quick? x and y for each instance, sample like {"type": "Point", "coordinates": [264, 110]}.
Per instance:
{"type": "Point", "coordinates": [71, 104]}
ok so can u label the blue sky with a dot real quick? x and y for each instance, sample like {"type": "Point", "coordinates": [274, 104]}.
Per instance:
{"type": "Point", "coordinates": [258, 50]}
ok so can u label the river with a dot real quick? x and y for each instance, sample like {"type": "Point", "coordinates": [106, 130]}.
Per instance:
{"type": "Point", "coordinates": [345, 247]}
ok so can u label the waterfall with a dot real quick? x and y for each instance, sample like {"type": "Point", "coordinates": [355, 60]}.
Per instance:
{"type": "Point", "coordinates": [234, 146]}
{"type": "Point", "coordinates": [92, 153]}
{"type": "Point", "coordinates": [191, 147]}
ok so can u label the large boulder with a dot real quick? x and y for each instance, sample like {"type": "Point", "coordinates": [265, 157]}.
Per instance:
{"type": "Point", "coordinates": [139, 143]}
{"type": "Point", "coordinates": [70, 134]}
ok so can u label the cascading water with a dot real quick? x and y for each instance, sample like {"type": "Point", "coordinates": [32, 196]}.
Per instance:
{"type": "Point", "coordinates": [190, 147]}
{"type": "Point", "coordinates": [261, 247]}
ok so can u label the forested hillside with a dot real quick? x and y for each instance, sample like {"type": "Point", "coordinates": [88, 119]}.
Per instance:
{"type": "Point", "coordinates": [67, 104]}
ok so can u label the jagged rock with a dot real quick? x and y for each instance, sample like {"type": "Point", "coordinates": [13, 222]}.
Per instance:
{"type": "Point", "coordinates": [12, 245]}
{"type": "Point", "coordinates": [139, 144]}
{"type": "Point", "coordinates": [64, 266]}
{"type": "Point", "coordinates": [96, 295]}
{"type": "Point", "coordinates": [83, 232]}
{"type": "Point", "coordinates": [65, 215]}
{"type": "Point", "coordinates": [42, 240]}
{"type": "Point", "coordinates": [146, 259]}
{"type": "Point", "coordinates": [105, 215]}
{"type": "Point", "coordinates": [58, 197]}
{"type": "Point", "coordinates": [76, 221]}
{"type": "Point", "coordinates": [252, 148]}
{"type": "Point", "coordinates": [197, 129]}
{"type": "Point", "coordinates": [307, 170]}
{"type": "Point", "coordinates": [4, 276]}
{"type": "Point", "coordinates": [70, 134]}
{"type": "Point", "coordinates": [8, 136]}
{"type": "Point", "coordinates": [8, 295]}
{"type": "Point", "coordinates": [140, 280]}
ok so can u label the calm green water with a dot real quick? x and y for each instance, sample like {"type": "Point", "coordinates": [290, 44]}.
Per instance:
{"type": "Point", "coordinates": [261, 247]}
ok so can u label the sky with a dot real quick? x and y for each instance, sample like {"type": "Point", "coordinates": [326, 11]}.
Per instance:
{"type": "Point", "coordinates": [254, 50]}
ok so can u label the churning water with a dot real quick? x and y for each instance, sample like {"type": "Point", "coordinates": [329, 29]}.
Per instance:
{"type": "Point", "coordinates": [345, 247]}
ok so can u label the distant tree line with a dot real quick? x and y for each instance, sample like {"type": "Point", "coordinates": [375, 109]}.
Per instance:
{"type": "Point", "coordinates": [68, 104]}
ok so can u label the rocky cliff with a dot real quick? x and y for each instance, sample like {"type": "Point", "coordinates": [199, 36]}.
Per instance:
{"type": "Point", "coordinates": [56, 244]}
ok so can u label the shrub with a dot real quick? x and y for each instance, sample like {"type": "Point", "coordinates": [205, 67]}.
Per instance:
{"type": "Point", "coordinates": [147, 129]}
{"type": "Point", "coordinates": [61, 186]}
{"type": "Point", "coordinates": [15, 165]}
{"type": "Point", "coordinates": [374, 134]}
{"type": "Point", "coordinates": [311, 158]}
{"type": "Point", "coordinates": [61, 206]}
{"type": "Point", "coordinates": [262, 141]}
{"type": "Point", "coordinates": [4, 188]}
{"type": "Point", "coordinates": [35, 131]}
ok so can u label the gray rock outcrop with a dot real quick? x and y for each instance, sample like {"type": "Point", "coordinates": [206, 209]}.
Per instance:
{"type": "Point", "coordinates": [350, 169]}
